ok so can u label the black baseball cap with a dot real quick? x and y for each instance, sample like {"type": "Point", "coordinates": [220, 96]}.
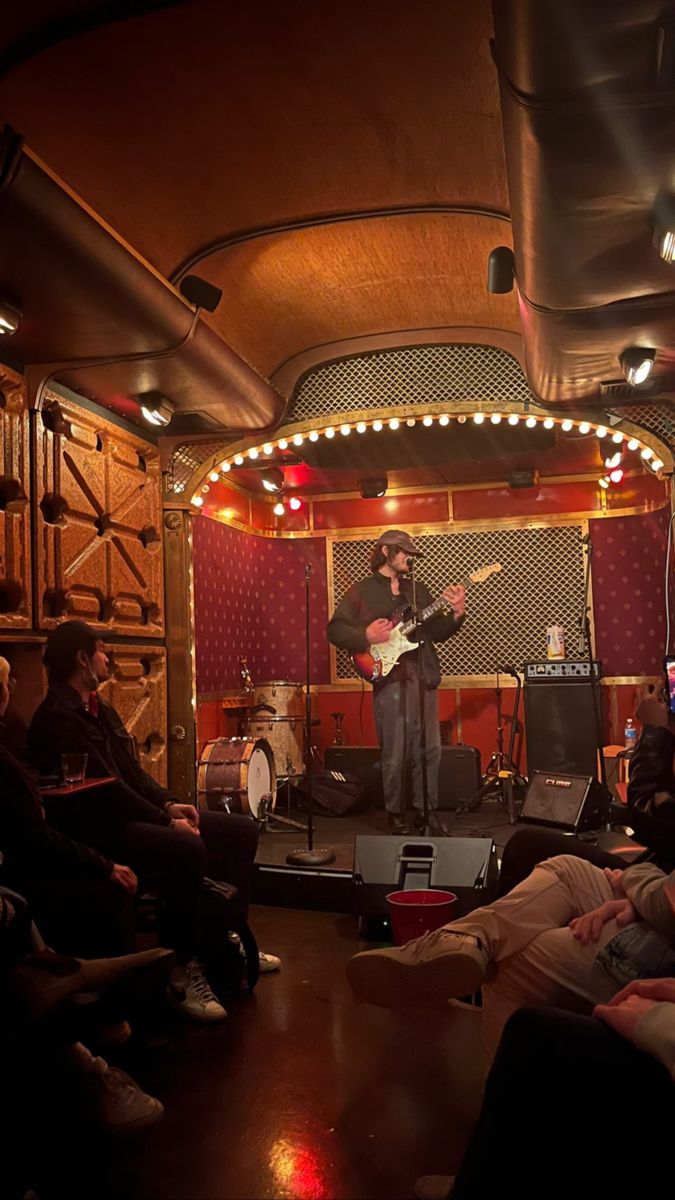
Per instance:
{"type": "Point", "coordinates": [397, 537]}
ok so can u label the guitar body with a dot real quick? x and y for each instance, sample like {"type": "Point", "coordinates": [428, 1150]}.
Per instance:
{"type": "Point", "coordinates": [376, 662]}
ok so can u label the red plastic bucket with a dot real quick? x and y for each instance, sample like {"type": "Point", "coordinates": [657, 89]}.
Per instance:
{"type": "Point", "coordinates": [416, 912]}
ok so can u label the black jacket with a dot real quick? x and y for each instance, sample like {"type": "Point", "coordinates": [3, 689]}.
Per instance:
{"type": "Point", "coordinates": [651, 772]}
{"type": "Point", "coordinates": [62, 724]}
{"type": "Point", "coordinates": [31, 849]}
{"type": "Point", "coordinates": [373, 598]}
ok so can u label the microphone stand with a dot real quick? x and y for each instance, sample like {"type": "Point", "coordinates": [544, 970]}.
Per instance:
{"type": "Point", "coordinates": [312, 856]}
{"type": "Point", "coordinates": [430, 827]}
{"type": "Point", "coordinates": [586, 647]}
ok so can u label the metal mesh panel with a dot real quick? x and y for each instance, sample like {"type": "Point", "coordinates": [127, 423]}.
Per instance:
{"type": "Point", "coordinates": [541, 583]}
{"type": "Point", "coordinates": [658, 419]}
{"type": "Point", "coordinates": [186, 458]}
{"type": "Point", "coordinates": [447, 373]}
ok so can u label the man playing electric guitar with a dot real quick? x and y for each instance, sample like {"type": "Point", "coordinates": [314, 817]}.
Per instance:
{"type": "Point", "coordinates": [362, 620]}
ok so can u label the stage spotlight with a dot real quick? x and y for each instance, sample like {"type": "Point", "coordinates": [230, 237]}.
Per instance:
{"type": "Point", "coordinates": [501, 270]}
{"type": "Point", "coordinates": [295, 503]}
{"type": "Point", "coordinates": [616, 475]}
{"type": "Point", "coordinates": [637, 364]}
{"type": "Point", "coordinates": [279, 509]}
{"type": "Point", "coordinates": [663, 220]}
{"type": "Point", "coordinates": [156, 409]}
{"type": "Point", "coordinates": [613, 460]}
{"type": "Point", "coordinates": [201, 293]}
{"type": "Point", "coordinates": [371, 488]}
{"type": "Point", "coordinates": [10, 319]}
{"type": "Point", "coordinates": [272, 479]}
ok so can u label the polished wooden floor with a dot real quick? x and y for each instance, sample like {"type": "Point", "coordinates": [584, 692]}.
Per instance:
{"type": "Point", "coordinates": [302, 1094]}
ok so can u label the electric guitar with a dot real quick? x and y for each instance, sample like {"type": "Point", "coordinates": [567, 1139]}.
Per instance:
{"type": "Point", "coordinates": [379, 659]}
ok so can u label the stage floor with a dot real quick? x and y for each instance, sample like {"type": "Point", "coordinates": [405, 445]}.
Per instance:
{"type": "Point", "coordinates": [340, 833]}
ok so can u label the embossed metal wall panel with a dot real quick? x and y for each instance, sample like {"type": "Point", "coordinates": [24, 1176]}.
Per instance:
{"type": "Point", "coordinates": [15, 529]}
{"type": "Point", "coordinates": [99, 551]}
{"type": "Point", "coordinates": [541, 582]}
{"type": "Point", "coordinates": [137, 689]}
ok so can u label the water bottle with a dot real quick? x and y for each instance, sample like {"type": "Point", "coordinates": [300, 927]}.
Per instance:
{"type": "Point", "coordinates": [630, 735]}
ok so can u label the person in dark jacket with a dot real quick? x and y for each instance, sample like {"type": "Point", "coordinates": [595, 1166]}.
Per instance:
{"type": "Point", "coordinates": [361, 620]}
{"type": "Point", "coordinates": [168, 843]}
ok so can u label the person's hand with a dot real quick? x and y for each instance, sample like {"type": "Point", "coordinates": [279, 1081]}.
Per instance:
{"type": "Point", "coordinates": [183, 826]}
{"type": "Point", "coordinates": [651, 707]}
{"type": "Point", "coordinates": [588, 928]}
{"type": "Point", "coordinates": [615, 879]}
{"type": "Point", "coordinates": [624, 1017]}
{"type": "Point", "coordinates": [455, 596]}
{"type": "Point", "coordinates": [4, 698]}
{"type": "Point", "coordinates": [658, 990]}
{"type": "Point", "coordinates": [378, 631]}
{"type": "Point", "coordinates": [184, 812]}
{"type": "Point", "coordinates": [125, 877]}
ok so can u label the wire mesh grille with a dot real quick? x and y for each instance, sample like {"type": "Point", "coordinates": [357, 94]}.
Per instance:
{"type": "Point", "coordinates": [541, 583]}
{"type": "Point", "coordinates": [449, 372]}
{"type": "Point", "coordinates": [658, 419]}
{"type": "Point", "coordinates": [186, 458]}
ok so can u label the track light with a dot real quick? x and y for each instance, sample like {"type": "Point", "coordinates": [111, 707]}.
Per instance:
{"type": "Point", "coordinates": [663, 220]}
{"type": "Point", "coordinates": [637, 364]}
{"type": "Point", "coordinates": [272, 479]}
{"type": "Point", "coordinates": [501, 270]}
{"type": "Point", "coordinates": [201, 293]}
{"type": "Point", "coordinates": [156, 409]}
{"type": "Point", "coordinates": [10, 318]}
{"type": "Point", "coordinates": [370, 488]}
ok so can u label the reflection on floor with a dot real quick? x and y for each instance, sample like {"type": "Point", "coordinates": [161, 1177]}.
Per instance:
{"type": "Point", "coordinates": [303, 1095]}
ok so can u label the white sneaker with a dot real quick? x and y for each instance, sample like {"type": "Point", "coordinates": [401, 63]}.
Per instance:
{"type": "Point", "coordinates": [122, 1105]}
{"type": "Point", "coordinates": [189, 992]}
{"type": "Point", "coordinates": [267, 962]}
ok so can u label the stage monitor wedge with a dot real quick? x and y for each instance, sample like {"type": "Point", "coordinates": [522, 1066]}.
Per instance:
{"type": "Point", "coordinates": [383, 864]}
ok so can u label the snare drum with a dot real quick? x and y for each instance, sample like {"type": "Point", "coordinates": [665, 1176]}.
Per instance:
{"type": "Point", "coordinates": [237, 772]}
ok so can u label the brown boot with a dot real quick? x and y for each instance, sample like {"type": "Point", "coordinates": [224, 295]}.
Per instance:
{"type": "Point", "coordinates": [41, 983]}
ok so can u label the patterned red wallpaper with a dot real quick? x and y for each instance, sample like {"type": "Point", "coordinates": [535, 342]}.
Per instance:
{"type": "Point", "coordinates": [629, 559]}
{"type": "Point", "coordinates": [250, 601]}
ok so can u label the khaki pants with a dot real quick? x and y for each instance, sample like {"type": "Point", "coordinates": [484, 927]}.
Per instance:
{"type": "Point", "coordinates": [536, 959]}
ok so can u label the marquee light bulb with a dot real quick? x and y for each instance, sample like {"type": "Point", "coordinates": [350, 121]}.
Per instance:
{"type": "Point", "coordinates": [410, 422]}
{"type": "Point", "coordinates": [330, 432]}
{"type": "Point", "coordinates": [394, 423]}
{"type": "Point", "coordinates": [298, 439]}
{"type": "Point", "coordinates": [633, 444]}
{"type": "Point", "coordinates": [253, 453]}
{"type": "Point", "coordinates": [513, 419]}
{"type": "Point", "coordinates": [656, 464]}
{"type": "Point", "coordinates": [377, 426]}
{"type": "Point", "coordinates": [495, 419]}
{"type": "Point", "coordinates": [531, 422]}
{"type": "Point", "coordinates": [584, 427]}
{"type": "Point", "coordinates": [268, 448]}
{"type": "Point", "coordinates": [197, 501]}
{"type": "Point", "coordinates": [478, 418]}
{"type": "Point", "coordinates": [427, 421]}
{"type": "Point", "coordinates": [567, 425]}
{"type": "Point", "coordinates": [295, 503]}
{"type": "Point", "coordinates": [283, 444]}
{"type": "Point", "coordinates": [239, 459]}
{"type": "Point", "coordinates": [314, 437]}
{"type": "Point", "coordinates": [601, 432]}
{"type": "Point", "coordinates": [225, 467]}
{"type": "Point", "coordinates": [617, 438]}
{"type": "Point", "coordinates": [214, 476]}
{"type": "Point", "coordinates": [361, 427]}
{"type": "Point", "coordinates": [278, 509]}
{"type": "Point", "coordinates": [616, 475]}
{"type": "Point", "coordinates": [647, 453]}
{"type": "Point", "coordinates": [461, 419]}
{"type": "Point", "coordinates": [603, 481]}
{"type": "Point", "coordinates": [549, 423]}
{"type": "Point", "coordinates": [345, 430]}
{"type": "Point", "coordinates": [444, 420]}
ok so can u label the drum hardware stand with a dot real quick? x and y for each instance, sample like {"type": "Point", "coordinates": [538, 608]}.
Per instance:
{"type": "Point", "coordinates": [311, 857]}
{"type": "Point", "coordinates": [267, 814]}
{"type": "Point", "coordinates": [502, 776]}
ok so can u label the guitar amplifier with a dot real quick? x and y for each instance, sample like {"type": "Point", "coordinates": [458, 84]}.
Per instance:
{"type": "Point", "coordinates": [563, 801]}
{"type": "Point", "coordinates": [560, 723]}
{"type": "Point", "coordinates": [459, 775]}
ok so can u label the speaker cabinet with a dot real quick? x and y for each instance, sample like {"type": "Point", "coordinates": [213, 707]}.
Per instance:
{"type": "Point", "coordinates": [560, 728]}
{"type": "Point", "coordinates": [466, 866]}
{"type": "Point", "coordinates": [560, 801]}
{"type": "Point", "coordinates": [459, 775]}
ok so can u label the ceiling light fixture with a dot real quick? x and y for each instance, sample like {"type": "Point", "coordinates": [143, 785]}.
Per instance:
{"type": "Point", "coordinates": [663, 220]}
{"type": "Point", "coordinates": [501, 270]}
{"type": "Point", "coordinates": [637, 364]}
{"type": "Point", "coordinates": [156, 409]}
{"type": "Point", "coordinates": [10, 319]}
{"type": "Point", "coordinates": [370, 489]}
{"type": "Point", "coordinates": [272, 479]}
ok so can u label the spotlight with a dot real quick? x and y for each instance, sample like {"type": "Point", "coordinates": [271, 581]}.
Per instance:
{"type": "Point", "coordinates": [298, 439]}
{"type": "Point", "coordinates": [427, 421]}
{"type": "Point", "coordinates": [272, 479]}
{"type": "Point", "coordinates": [495, 419]}
{"type": "Point", "coordinates": [549, 423]}
{"type": "Point", "coordinates": [637, 364]}
{"type": "Point", "coordinates": [156, 409]}
{"type": "Point", "coordinates": [377, 425]}
{"type": "Point", "coordinates": [601, 432]}
{"type": "Point", "coordinates": [604, 482]}
{"type": "Point", "coordinates": [370, 488]}
{"type": "Point", "coordinates": [197, 501]}
{"type": "Point", "coordinates": [531, 422]}
{"type": "Point", "coordinates": [616, 475]}
{"type": "Point", "coordinates": [584, 427]}
{"type": "Point", "coordinates": [279, 509]}
{"type": "Point", "coordinates": [361, 427]}
{"type": "Point", "coordinates": [478, 418]}
{"type": "Point", "coordinates": [214, 476]}
{"type": "Point", "coordinates": [394, 423]}
{"type": "Point", "coordinates": [295, 503]}
{"type": "Point", "coordinates": [633, 444]}
{"type": "Point", "coordinates": [663, 219]}
{"type": "Point", "coordinates": [201, 293]}
{"type": "Point", "coordinates": [225, 467]}
{"type": "Point", "coordinates": [329, 432]}
{"type": "Point", "coordinates": [514, 419]}
{"type": "Point", "coordinates": [10, 319]}
{"type": "Point", "coordinates": [444, 420]}
{"type": "Point", "coordinates": [614, 460]}
{"type": "Point", "coordinates": [567, 426]}
{"type": "Point", "coordinates": [501, 270]}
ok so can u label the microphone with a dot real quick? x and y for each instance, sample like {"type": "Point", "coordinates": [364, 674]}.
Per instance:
{"type": "Point", "coordinates": [508, 671]}
{"type": "Point", "coordinates": [409, 561]}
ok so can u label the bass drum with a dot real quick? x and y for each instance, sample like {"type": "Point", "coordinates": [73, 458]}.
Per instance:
{"type": "Point", "coordinates": [237, 772]}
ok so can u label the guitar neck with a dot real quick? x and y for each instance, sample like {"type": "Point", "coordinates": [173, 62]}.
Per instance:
{"type": "Point", "coordinates": [430, 610]}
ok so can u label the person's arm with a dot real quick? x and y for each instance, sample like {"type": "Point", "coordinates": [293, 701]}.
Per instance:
{"type": "Point", "coordinates": [444, 624]}
{"type": "Point", "coordinates": [347, 627]}
{"type": "Point", "coordinates": [644, 1012]}
{"type": "Point", "coordinates": [645, 886]}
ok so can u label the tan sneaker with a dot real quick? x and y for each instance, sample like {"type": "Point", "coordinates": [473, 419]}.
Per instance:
{"type": "Point", "coordinates": [425, 973]}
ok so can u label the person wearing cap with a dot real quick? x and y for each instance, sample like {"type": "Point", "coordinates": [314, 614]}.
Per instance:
{"type": "Point", "coordinates": [135, 820]}
{"type": "Point", "coordinates": [363, 619]}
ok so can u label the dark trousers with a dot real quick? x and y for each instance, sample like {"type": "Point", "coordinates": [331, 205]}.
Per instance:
{"type": "Point", "coordinates": [87, 918]}
{"type": "Point", "coordinates": [529, 846]}
{"type": "Point", "coordinates": [570, 1110]}
{"type": "Point", "coordinates": [397, 718]}
{"type": "Point", "coordinates": [171, 862]}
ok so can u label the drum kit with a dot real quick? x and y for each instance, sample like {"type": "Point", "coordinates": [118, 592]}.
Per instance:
{"type": "Point", "coordinates": [243, 774]}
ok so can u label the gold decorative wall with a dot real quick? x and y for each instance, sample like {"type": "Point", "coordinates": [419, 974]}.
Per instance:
{"type": "Point", "coordinates": [15, 530]}
{"type": "Point", "coordinates": [98, 520]}
{"type": "Point", "coordinates": [137, 689]}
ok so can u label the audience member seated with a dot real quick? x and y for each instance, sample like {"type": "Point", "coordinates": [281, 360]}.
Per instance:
{"type": "Point", "coordinates": [651, 802]}
{"type": "Point", "coordinates": [168, 844]}
{"type": "Point", "coordinates": [576, 1106]}
{"type": "Point", "coordinates": [570, 935]}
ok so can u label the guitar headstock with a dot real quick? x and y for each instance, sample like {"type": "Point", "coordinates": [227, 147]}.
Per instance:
{"type": "Point", "coordinates": [485, 572]}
